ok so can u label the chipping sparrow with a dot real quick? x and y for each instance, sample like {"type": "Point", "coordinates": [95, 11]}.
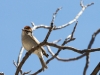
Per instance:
{"type": "Point", "coordinates": [29, 41]}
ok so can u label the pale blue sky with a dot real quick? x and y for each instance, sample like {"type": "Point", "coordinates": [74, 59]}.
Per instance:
{"type": "Point", "coordinates": [15, 14]}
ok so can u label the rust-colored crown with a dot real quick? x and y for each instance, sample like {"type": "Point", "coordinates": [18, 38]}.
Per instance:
{"type": "Point", "coordinates": [28, 28]}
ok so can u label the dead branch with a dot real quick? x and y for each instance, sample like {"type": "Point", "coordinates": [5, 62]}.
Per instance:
{"type": "Point", "coordinates": [84, 52]}
{"type": "Point", "coordinates": [20, 55]}
{"type": "Point", "coordinates": [59, 49]}
{"type": "Point", "coordinates": [89, 47]}
{"type": "Point", "coordinates": [66, 24]}
{"type": "Point", "coordinates": [33, 49]}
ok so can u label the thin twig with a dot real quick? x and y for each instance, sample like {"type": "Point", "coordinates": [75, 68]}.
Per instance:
{"type": "Point", "coordinates": [48, 34]}
{"type": "Point", "coordinates": [20, 55]}
{"type": "Point", "coordinates": [54, 15]}
{"type": "Point", "coordinates": [74, 29]}
{"type": "Point", "coordinates": [52, 23]}
{"type": "Point", "coordinates": [26, 72]}
{"type": "Point", "coordinates": [17, 66]}
{"type": "Point", "coordinates": [56, 41]}
{"type": "Point", "coordinates": [70, 37]}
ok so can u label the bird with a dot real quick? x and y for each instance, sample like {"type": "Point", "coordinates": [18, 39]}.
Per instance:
{"type": "Point", "coordinates": [29, 41]}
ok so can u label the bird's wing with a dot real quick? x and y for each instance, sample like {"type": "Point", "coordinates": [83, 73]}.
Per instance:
{"type": "Point", "coordinates": [37, 42]}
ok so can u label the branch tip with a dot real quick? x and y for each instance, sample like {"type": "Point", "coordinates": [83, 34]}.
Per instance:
{"type": "Point", "coordinates": [33, 24]}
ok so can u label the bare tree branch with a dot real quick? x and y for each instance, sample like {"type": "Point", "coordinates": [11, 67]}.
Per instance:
{"type": "Point", "coordinates": [84, 52]}
{"type": "Point", "coordinates": [59, 49]}
{"type": "Point", "coordinates": [44, 26]}
{"type": "Point", "coordinates": [89, 47]}
{"type": "Point", "coordinates": [54, 15]}
{"type": "Point", "coordinates": [17, 66]}
{"type": "Point", "coordinates": [71, 59]}
{"type": "Point", "coordinates": [62, 59]}
{"type": "Point", "coordinates": [20, 55]}
{"type": "Point", "coordinates": [19, 58]}
{"type": "Point", "coordinates": [48, 34]}
{"type": "Point", "coordinates": [70, 22]}
{"type": "Point", "coordinates": [75, 19]}
{"type": "Point", "coordinates": [74, 29]}
{"type": "Point", "coordinates": [30, 52]}
{"type": "Point", "coordinates": [38, 46]}
{"type": "Point", "coordinates": [64, 47]}
{"type": "Point", "coordinates": [90, 50]}
{"type": "Point", "coordinates": [52, 23]}
{"type": "Point", "coordinates": [95, 71]}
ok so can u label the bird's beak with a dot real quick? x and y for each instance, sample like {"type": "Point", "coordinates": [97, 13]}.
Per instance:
{"type": "Point", "coordinates": [22, 29]}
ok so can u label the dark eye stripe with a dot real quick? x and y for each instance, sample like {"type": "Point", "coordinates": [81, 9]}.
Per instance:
{"type": "Point", "coordinates": [28, 31]}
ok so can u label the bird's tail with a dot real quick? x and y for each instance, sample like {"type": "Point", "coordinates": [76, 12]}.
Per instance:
{"type": "Point", "coordinates": [43, 63]}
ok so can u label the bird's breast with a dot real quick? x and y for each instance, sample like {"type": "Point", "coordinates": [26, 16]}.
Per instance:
{"type": "Point", "coordinates": [28, 43]}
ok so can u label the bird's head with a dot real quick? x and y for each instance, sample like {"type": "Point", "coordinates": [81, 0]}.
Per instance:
{"type": "Point", "coordinates": [27, 29]}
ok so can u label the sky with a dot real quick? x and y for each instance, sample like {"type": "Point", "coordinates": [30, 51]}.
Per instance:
{"type": "Point", "coordinates": [15, 14]}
